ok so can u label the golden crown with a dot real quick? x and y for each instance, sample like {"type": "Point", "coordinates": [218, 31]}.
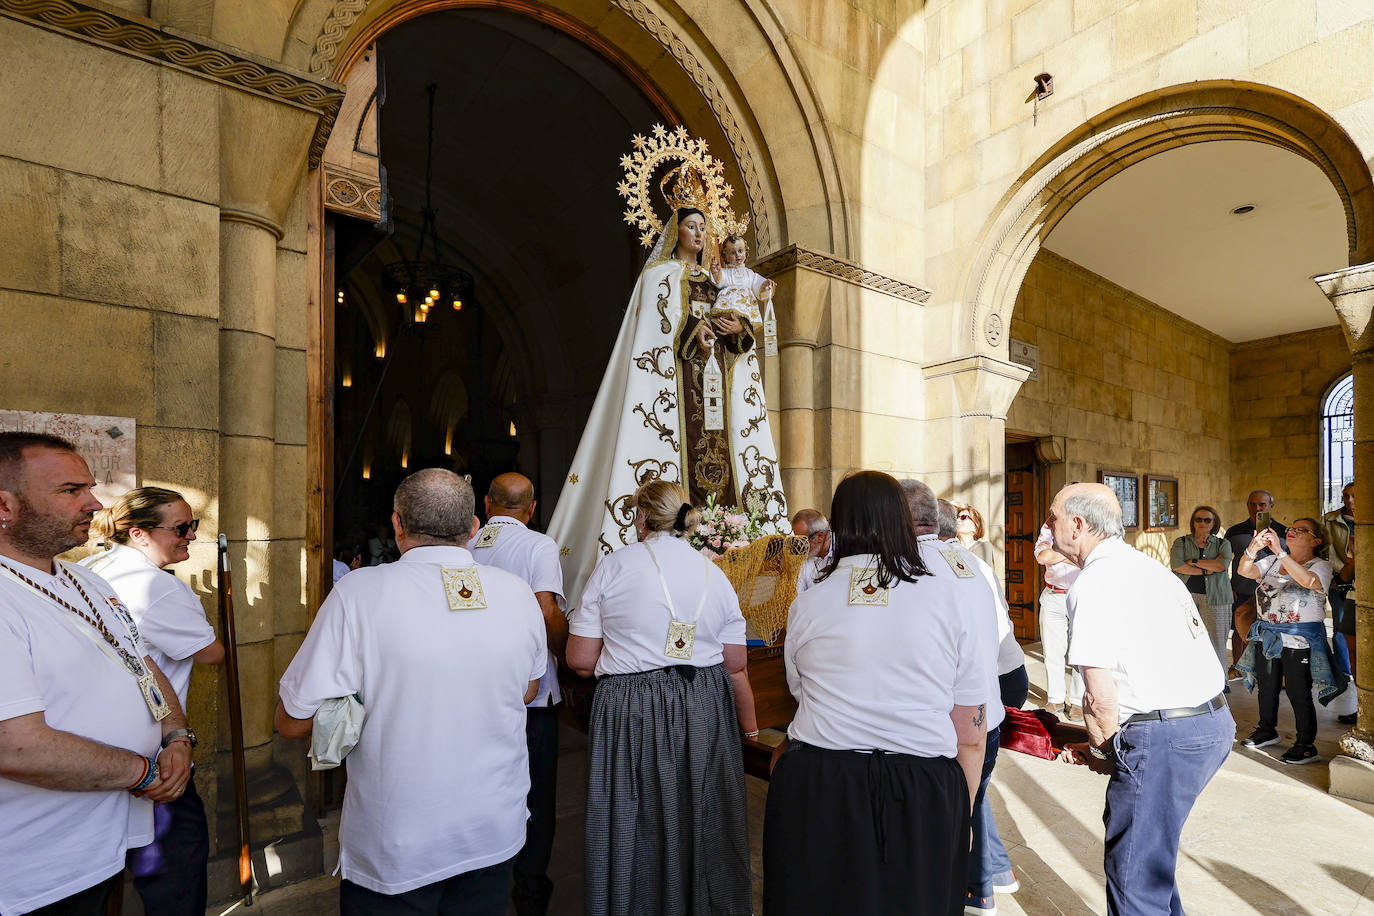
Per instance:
{"type": "Point", "coordinates": [698, 181]}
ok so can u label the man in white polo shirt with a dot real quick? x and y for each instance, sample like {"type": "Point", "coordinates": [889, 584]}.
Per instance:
{"type": "Point", "coordinates": [82, 708]}
{"type": "Point", "coordinates": [1157, 720]}
{"type": "Point", "coordinates": [444, 656]}
{"type": "Point", "coordinates": [820, 547]}
{"type": "Point", "coordinates": [1054, 627]}
{"type": "Point", "coordinates": [507, 543]}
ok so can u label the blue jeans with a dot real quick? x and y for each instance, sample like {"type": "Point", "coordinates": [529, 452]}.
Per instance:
{"type": "Point", "coordinates": [987, 858]}
{"type": "Point", "coordinates": [1161, 768]}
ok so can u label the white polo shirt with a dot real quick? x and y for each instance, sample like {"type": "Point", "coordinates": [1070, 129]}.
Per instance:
{"type": "Point", "coordinates": [437, 783]}
{"type": "Point", "coordinates": [978, 598]}
{"type": "Point", "coordinates": [1132, 616]}
{"type": "Point", "coordinates": [171, 620]}
{"type": "Point", "coordinates": [811, 569]}
{"type": "Point", "coordinates": [54, 844]}
{"type": "Point", "coordinates": [1009, 654]}
{"type": "Point", "coordinates": [1062, 574]}
{"type": "Point", "coordinates": [533, 557]}
{"type": "Point", "coordinates": [882, 677]}
{"type": "Point", "coordinates": [623, 605]}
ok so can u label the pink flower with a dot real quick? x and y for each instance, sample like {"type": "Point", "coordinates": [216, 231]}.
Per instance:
{"type": "Point", "coordinates": [742, 542]}
{"type": "Point", "coordinates": [739, 521]}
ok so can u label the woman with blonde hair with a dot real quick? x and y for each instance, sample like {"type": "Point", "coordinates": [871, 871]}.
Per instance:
{"type": "Point", "coordinates": [145, 531]}
{"type": "Point", "coordinates": [660, 627]}
{"type": "Point", "coordinates": [1202, 560]}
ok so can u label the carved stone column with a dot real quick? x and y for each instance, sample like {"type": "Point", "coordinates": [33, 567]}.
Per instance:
{"type": "Point", "coordinates": [967, 400]}
{"type": "Point", "coordinates": [263, 148]}
{"type": "Point", "coordinates": [1351, 291]}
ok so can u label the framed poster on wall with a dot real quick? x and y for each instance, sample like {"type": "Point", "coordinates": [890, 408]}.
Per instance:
{"type": "Point", "coordinates": [1127, 489]}
{"type": "Point", "coordinates": [1161, 503]}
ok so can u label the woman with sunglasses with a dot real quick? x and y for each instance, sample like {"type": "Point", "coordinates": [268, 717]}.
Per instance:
{"type": "Point", "coordinates": [1287, 644]}
{"type": "Point", "coordinates": [1203, 561]}
{"type": "Point", "coordinates": [145, 531]}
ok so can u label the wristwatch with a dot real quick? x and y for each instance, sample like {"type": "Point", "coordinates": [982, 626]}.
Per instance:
{"type": "Point", "coordinates": [176, 733]}
{"type": "Point", "coordinates": [1098, 753]}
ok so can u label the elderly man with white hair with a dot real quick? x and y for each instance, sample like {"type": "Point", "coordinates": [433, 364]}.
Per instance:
{"type": "Point", "coordinates": [1157, 719]}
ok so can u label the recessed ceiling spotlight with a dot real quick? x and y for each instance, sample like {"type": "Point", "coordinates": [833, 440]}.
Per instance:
{"type": "Point", "coordinates": [1242, 209]}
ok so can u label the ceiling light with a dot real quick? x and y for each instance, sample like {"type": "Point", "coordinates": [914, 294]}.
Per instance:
{"type": "Point", "coordinates": [1242, 209]}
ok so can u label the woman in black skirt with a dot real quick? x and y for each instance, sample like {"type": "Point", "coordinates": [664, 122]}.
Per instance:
{"type": "Point", "coordinates": [868, 808]}
{"type": "Point", "coordinates": [660, 627]}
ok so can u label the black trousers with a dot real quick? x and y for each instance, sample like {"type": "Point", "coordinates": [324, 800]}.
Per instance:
{"type": "Point", "coordinates": [532, 888]}
{"type": "Point", "coordinates": [90, 902]}
{"type": "Point", "coordinates": [472, 893]}
{"type": "Point", "coordinates": [1292, 671]}
{"type": "Point", "coordinates": [170, 873]}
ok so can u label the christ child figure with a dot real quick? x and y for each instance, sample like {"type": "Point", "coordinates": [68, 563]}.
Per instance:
{"type": "Point", "coordinates": [743, 293]}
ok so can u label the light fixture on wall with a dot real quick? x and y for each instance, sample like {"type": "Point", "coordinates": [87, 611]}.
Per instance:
{"type": "Point", "coordinates": [426, 282]}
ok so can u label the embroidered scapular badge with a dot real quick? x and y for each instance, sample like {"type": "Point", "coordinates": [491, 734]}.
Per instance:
{"type": "Point", "coordinates": [157, 704]}
{"type": "Point", "coordinates": [682, 638]}
{"type": "Point", "coordinates": [487, 536]}
{"type": "Point", "coordinates": [1195, 627]}
{"type": "Point", "coordinates": [864, 588]}
{"type": "Point", "coordinates": [956, 563]}
{"type": "Point", "coordinates": [463, 587]}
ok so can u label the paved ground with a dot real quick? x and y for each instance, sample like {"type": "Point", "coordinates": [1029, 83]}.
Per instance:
{"type": "Point", "coordinates": [1264, 838]}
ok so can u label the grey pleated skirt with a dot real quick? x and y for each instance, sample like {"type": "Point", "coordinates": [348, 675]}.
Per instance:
{"type": "Point", "coordinates": [667, 822]}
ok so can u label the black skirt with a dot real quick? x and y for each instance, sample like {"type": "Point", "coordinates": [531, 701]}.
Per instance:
{"type": "Point", "coordinates": [865, 833]}
{"type": "Point", "coordinates": [667, 830]}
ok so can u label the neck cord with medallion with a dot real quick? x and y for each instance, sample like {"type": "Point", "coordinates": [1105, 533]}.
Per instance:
{"type": "Point", "coordinates": [152, 695]}
{"type": "Point", "coordinates": [682, 635]}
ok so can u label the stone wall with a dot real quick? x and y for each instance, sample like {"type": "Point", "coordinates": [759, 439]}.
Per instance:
{"type": "Point", "coordinates": [1277, 385]}
{"type": "Point", "coordinates": [1129, 385]}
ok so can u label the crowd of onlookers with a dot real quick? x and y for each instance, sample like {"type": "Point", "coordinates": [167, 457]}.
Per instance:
{"type": "Point", "coordinates": [899, 652]}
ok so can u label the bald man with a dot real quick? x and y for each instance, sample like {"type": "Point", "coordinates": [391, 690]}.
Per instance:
{"type": "Point", "coordinates": [1157, 719]}
{"type": "Point", "coordinates": [507, 542]}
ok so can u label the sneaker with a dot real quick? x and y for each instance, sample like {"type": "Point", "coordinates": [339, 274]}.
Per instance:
{"type": "Point", "coordinates": [1075, 713]}
{"type": "Point", "coordinates": [1005, 883]}
{"type": "Point", "coordinates": [1300, 753]}
{"type": "Point", "coordinates": [1055, 709]}
{"type": "Point", "coordinates": [1261, 737]}
{"type": "Point", "coordinates": [1233, 673]}
{"type": "Point", "coordinates": [1350, 718]}
{"type": "Point", "coordinates": [980, 906]}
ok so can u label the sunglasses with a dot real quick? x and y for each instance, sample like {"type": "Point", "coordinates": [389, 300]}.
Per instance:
{"type": "Point", "coordinates": [183, 529]}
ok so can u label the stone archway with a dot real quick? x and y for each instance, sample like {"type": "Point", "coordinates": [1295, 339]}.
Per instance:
{"type": "Point", "coordinates": [1126, 135]}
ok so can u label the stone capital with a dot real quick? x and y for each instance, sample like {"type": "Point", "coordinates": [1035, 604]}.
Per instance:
{"type": "Point", "coordinates": [1351, 291]}
{"type": "Point", "coordinates": [976, 385]}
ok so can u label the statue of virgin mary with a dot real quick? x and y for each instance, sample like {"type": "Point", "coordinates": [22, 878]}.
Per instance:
{"type": "Point", "coordinates": [663, 409]}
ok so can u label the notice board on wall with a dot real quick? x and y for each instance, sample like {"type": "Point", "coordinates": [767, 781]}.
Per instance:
{"type": "Point", "coordinates": [109, 444]}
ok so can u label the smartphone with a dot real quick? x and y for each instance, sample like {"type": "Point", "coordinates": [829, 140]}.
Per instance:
{"type": "Point", "coordinates": [1262, 520]}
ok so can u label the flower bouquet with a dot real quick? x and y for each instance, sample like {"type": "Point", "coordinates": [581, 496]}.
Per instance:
{"type": "Point", "coordinates": [725, 527]}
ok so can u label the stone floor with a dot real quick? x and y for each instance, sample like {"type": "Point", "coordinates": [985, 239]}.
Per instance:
{"type": "Point", "coordinates": [1264, 837]}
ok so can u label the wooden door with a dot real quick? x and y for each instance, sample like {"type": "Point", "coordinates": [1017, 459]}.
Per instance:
{"type": "Point", "coordinates": [1024, 517]}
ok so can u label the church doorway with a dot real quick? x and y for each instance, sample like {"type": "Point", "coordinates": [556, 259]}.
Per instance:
{"type": "Point", "coordinates": [519, 174]}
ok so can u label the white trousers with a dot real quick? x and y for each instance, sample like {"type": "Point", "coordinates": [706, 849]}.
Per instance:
{"type": "Point", "coordinates": [1054, 640]}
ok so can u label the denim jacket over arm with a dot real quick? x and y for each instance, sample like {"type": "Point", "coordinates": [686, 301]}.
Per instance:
{"type": "Point", "coordinates": [1266, 637]}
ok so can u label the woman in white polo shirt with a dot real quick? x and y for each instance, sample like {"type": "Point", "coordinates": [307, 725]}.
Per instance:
{"type": "Point", "coordinates": [145, 531]}
{"type": "Point", "coordinates": [660, 627]}
{"type": "Point", "coordinates": [869, 805]}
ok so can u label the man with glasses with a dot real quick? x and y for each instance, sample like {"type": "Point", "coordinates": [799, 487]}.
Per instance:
{"type": "Point", "coordinates": [810, 524]}
{"type": "Point", "coordinates": [1240, 536]}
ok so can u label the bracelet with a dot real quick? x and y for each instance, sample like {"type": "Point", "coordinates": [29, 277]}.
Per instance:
{"type": "Point", "coordinates": [150, 773]}
{"type": "Point", "coordinates": [752, 734]}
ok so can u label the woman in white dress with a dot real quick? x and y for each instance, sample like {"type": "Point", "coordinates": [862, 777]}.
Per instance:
{"type": "Point", "coordinates": [660, 627]}
{"type": "Point", "coordinates": [653, 416]}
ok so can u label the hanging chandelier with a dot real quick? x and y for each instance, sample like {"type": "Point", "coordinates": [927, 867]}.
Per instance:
{"type": "Point", "coordinates": [422, 283]}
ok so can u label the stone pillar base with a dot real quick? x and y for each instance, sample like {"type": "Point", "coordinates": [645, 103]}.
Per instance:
{"type": "Point", "coordinates": [1352, 778]}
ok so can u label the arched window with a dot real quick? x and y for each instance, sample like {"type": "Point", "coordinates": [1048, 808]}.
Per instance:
{"type": "Point", "coordinates": [1338, 440]}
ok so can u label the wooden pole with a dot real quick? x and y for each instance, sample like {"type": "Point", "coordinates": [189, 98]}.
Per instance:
{"type": "Point", "coordinates": [231, 672]}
